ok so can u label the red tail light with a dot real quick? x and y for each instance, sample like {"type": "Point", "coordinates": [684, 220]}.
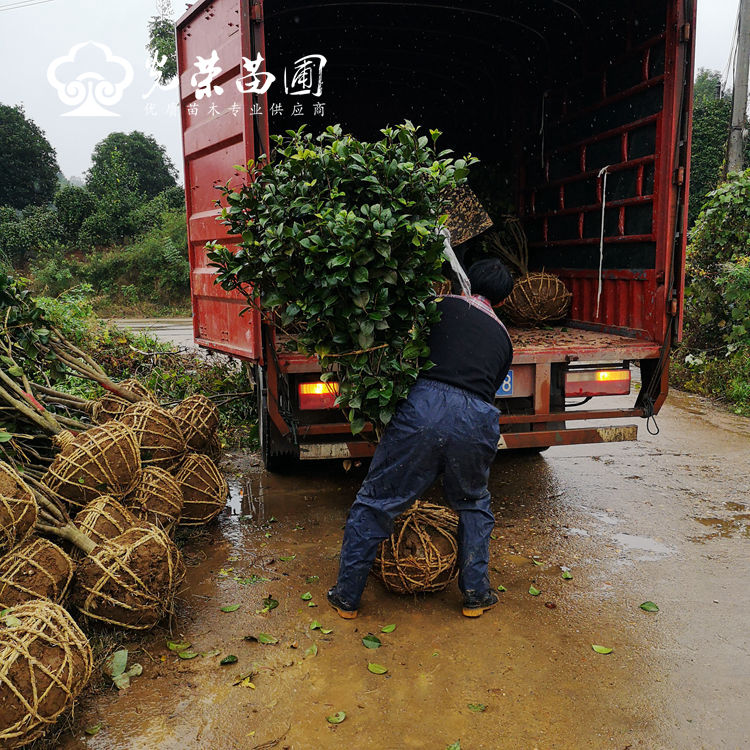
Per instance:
{"type": "Point", "coordinates": [597, 383]}
{"type": "Point", "coordinates": [317, 395]}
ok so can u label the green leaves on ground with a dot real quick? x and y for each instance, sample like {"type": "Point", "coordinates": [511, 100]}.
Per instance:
{"type": "Point", "coordinates": [454, 745]}
{"type": "Point", "coordinates": [537, 562]}
{"type": "Point", "coordinates": [602, 649]}
{"type": "Point", "coordinates": [315, 625]}
{"type": "Point", "coordinates": [187, 654]}
{"type": "Point", "coordinates": [371, 641]}
{"type": "Point", "coordinates": [312, 579]}
{"type": "Point", "coordinates": [566, 575]}
{"type": "Point", "coordinates": [377, 668]}
{"type": "Point", "coordinates": [269, 603]}
{"type": "Point", "coordinates": [387, 628]}
{"type": "Point", "coordinates": [263, 638]}
{"type": "Point", "coordinates": [115, 668]}
{"type": "Point", "coordinates": [229, 659]}
{"type": "Point", "coordinates": [287, 558]}
{"type": "Point", "coordinates": [230, 607]}
{"type": "Point", "coordinates": [312, 651]}
{"type": "Point", "coordinates": [477, 707]}
{"type": "Point", "coordinates": [93, 729]}
{"type": "Point", "coordinates": [649, 607]}
{"type": "Point", "coordinates": [337, 718]}
{"type": "Point", "coordinates": [340, 236]}
{"type": "Point", "coordinates": [534, 591]}
{"type": "Point", "coordinates": [501, 588]}
{"type": "Point", "coordinates": [306, 596]}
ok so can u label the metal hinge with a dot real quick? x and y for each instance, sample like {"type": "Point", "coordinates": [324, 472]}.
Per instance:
{"type": "Point", "coordinates": [256, 11]}
{"type": "Point", "coordinates": [686, 31]}
{"type": "Point", "coordinates": [679, 176]}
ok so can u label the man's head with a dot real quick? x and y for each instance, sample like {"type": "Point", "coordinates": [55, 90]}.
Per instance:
{"type": "Point", "coordinates": [491, 279]}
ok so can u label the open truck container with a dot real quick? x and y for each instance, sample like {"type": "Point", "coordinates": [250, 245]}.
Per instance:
{"type": "Point", "coordinates": [547, 94]}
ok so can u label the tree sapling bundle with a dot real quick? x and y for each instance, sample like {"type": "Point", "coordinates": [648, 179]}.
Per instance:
{"type": "Point", "coordinates": [159, 436]}
{"type": "Point", "coordinates": [18, 508]}
{"type": "Point", "coordinates": [198, 419]}
{"type": "Point", "coordinates": [36, 569]}
{"type": "Point", "coordinates": [104, 518]}
{"type": "Point", "coordinates": [157, 498]}
{"type": "Point", "coordinates": [45, 662]}
{"type": "Point", "coordinates": [204, 490]}
{"type": "Point", "coordinates": [112, 405]}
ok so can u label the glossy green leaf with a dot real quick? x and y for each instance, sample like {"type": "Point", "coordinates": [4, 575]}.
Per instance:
{"type": "Point", "coordinates": [649, 607]}
{"type": "Point", "coordinates": [377, 668]}
{"type": "Point", "coordinates": [337, 718]}
{"type": "Point", "coordinates": [230, 607]}
{"type": "Point", "coordinates": [93, 729]}
{"type": "Point", "coordinates": [228, 659]}
{"type": "Point", "coordinates": [534, 591]}
{"type": "Point", "coordinates": [315, 625]}
{"type": "Point", "coordinates": [371, 641]}
{"type": "Point", "coordinates": [287, 558]}
{"type": "Point", "coordinates": [187, 654]}
{"type": "Point", "coordinates": [266, 639]}
{"type": "Point", "coordinates": [306, 596]}
{"type": "Point", "coordinates": [602, 649]}
{"type": "Point", "coordinates": [567, 575]}
{"type": "Point", "coordinates": [116, 664]}
{"type": "Point", "coordinates": [501, 588]}
{"type": "Point", "coordinates": [173, 646]}
{"type": "Point", "coordinates": [387, 628]}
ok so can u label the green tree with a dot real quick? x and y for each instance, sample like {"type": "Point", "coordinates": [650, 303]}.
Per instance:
{"type": "Point", "coordinates": [144, 158]}
{"type": "Point", "coordinates": [115, 186]}
{"type": "Point", "coordinates": [707, 86]}
{"type": "Point", "coordinates": [161, 45]}
{"type": "Point", "coordinates": [74, 204]}
{"type": "Point", "coordinates": [28, 163]}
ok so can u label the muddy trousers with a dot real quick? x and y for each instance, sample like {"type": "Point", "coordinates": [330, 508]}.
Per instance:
{"type": "Point", "coordinates": [438, 429]}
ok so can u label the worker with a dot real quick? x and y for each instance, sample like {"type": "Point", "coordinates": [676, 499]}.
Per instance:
{"type": "Point", "coordinates": [447, 425]}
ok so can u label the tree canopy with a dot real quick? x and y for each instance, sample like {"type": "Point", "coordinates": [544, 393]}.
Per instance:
{"type": "Point", "coordinates": [28, 163]}
{"type": "Point", "coordinates": [142, 156]}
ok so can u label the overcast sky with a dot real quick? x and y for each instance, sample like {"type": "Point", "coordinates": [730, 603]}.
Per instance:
{"type": "Point", "coordinates": [32, 37]}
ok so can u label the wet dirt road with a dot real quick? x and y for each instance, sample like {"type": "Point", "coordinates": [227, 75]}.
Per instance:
{"type": "Point", "coordinates": [665, 519]}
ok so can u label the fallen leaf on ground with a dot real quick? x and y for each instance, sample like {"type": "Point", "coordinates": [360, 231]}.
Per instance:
{"type": "Point", "coordinates": [230, 607]}
{"type": "Point", "coordinates": [266, 639]}
{"type": "Point", "coordinates": [567, 575]}
{"type": "Point", "coordinates": [501, 588]}
{"type": "Point", "coordinates": [312, 579]}
{"type": "Point", "coordinates": [534, 591]}
{"type": "Point", "coordinates": [172, 646]}
{"type": "Point", "coordinates": [187, 654]}
{"type": "Point", "coordinates": [229, 659]}
{"type": "Point", "coordinates": [454, 745]}
{"type": "Point", "coordinates": [337, 718]}
{"type": "Point", "coordinates": [387, 628]}
{"type": "Point", "coordinates": [602, 649]}
{"type": "Point", "coordinates": [371, 641]}
{"type": "Point", "coordinates": [537, 562]}
{"type": "Point", "coordinates": [649, 607]}
{"type": "Point", "coordinates": [211, 654]}
{"type": "Point", "coordinates": [477, 707]}
{"type": "Point", "coordinates": [306, 596]}
{"type": "Point", "coordinates": [269, 603]}
{"type": "Point", "coordinates": [312, 651]}
{"type": "Point", "coordinates": [246, 682]}
{"type": "Point", "coordinates": [315, 625]}
{"type": "Point", "coordinates": [377, 668]}
{"type": "Point", "coordinates": [287, 558]}
{"type": "Point", "coordinates": [116, 663]}
{"type": "Point", "coordinates": [93, 729]}
{"type": "Point", "coordinates": [326, 631]}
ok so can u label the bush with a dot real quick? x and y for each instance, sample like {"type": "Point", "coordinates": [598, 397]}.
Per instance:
{"type": "Point", "coordinates": [74, 205]}
{"type": "Point", "coordinates": [339, 239]}
{"type": "Point", "coordinates": [36, 230]}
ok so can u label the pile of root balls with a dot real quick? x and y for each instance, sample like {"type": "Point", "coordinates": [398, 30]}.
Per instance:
{"type": "Point", "coordinates": [91, 494]}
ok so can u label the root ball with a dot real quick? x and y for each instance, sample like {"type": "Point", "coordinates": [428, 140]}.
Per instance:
{"type": "Point", "coordinates": [204, 490]}
{"type": "Point", "coordinates": [18, 509]}
{"type": "Point", "coordinates": [103, 519]}
{"type": "Point", "coordinates": [157, 498]}
{"type": "Point", "coordinates": [198, 418]}
{"type": "Point", "coordinates": [159, 436]}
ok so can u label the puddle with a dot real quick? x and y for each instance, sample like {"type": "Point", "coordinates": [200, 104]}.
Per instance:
{"type": "Point", "coordinates": [642, 544]}
{"type": "Point", "coordinates": [725, 527]}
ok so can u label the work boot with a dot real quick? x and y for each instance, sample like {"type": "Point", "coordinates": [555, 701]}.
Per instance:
{"type": "Point", "coordinates": [343, 608]}
{"type": "Point", "coordinates": [477, 604]}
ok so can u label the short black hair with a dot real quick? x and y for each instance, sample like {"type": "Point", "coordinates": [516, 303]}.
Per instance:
{"type": "Point", "coordinates": [491, 279]}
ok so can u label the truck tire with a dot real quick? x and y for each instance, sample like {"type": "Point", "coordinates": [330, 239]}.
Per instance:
{"type": "Point", "coordinates": [277, 455]}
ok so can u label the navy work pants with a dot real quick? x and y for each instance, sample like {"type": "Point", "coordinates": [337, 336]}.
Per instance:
{"type": "Point", "coordinates": [438, 429]}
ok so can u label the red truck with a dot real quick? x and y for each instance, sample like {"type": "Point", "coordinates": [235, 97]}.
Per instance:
{"type": "Point", "coordinates": [580, 112]}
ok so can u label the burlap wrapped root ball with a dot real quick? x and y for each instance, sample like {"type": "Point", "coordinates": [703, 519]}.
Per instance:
{"type": "Point", "coordinates": [111, 406]}
{"type": "Point", "coordinates": [103, 519]}
{"type": "Point", "coordinates": [36, 569]}
{"type": "Point", "coordinates": [18, 508]}
{"type": "Point", "coordinates": [159, 436]}
{"type": "Point", "coordinates": [104, 460]}
{"type": "Point", "coordinates": [204, 490]}
{"type": "Point", "coordinates": [537, 297]}
{"type": "Point", "coordinates": [198, 419]}
{"type": "Point", "coordinates": [157, 498]}
{"type": "Point", "coordinates": [130, 581]}
{"type": "Point", "coordinates": [422, 553]}
{"type": "Point", "coordinates": [45, 662]}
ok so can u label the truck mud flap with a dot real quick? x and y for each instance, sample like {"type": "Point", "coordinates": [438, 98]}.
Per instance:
{"type": "Point", "coordinates": [577, 436]}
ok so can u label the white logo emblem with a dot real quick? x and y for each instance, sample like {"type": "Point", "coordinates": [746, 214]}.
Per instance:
{"type": "Point", "coordinates": [90, 92]}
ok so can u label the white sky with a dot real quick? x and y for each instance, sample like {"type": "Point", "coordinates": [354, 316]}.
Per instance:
{"type": "Point", "coordinates": [31, 37]}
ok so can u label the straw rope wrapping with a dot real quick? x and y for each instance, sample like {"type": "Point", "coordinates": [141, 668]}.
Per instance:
{"type": "Point", "coordinates": [198, 419]}
{"type": "Point", "coordinates": [111, 406]}
{"type": "Point", "coordinates": [103, 519]}
{"type": "Point", "coordinates": [157, 498]}
{"type": "Point", "coordinates": [536, 298]}
{"type": "Point", "coordinates": [18, 509]}
{"type": "Point", "coordinates": [421, 555]}
{"type": "Point", "coordinates": [105, 460]}
{"type": "Point", "coordinates": [204, 490]}
{"type": "Point", "coordinates": [45, 662]}
{"type": "Point", "coordinates": [130, 581]}
{"type": "Point", "coordinates": [37, 569]}
{"type": "Point", "coordinates": [159, 435]}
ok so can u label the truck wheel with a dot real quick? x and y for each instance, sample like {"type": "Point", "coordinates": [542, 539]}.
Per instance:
{"type": "Point", "coordinates": [275, 452]}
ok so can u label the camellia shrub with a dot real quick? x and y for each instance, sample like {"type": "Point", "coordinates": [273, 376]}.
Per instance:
{"type": "Point", "coordinates": [340, 250]}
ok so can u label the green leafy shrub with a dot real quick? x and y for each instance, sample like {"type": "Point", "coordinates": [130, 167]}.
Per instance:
{"type": "Point", "coordinates": [339, 240]}
{"type": "Point", "coordinates": [36, 230]}
{"type": "Point", "coordinates": [717, 302]}
{"type": "Point", "coordinates": [74, 205]}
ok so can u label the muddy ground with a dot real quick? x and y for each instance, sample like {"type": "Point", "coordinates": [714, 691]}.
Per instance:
{"type": "Point", "coordinates": [665, 519]}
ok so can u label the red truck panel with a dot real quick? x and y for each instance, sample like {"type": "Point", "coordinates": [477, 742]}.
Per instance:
{"type": "Point", "coordinates": [214, 141]}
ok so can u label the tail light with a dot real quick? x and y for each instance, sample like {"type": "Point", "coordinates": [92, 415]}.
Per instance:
{"type": "Point", "coordinates": [318, 395]}
{"type": "Point", "coordinates": [597, 383]}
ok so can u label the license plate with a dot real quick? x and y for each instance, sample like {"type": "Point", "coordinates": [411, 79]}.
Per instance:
{"type": "Point", "coordinates": [506, 389]}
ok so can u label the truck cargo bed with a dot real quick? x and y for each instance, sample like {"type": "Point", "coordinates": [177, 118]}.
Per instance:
{"type": "Point", "coordinates": [531, 345]}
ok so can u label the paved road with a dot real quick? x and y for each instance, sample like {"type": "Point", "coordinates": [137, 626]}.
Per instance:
{"type": "Point", "coordinates": [178, 331]}
{"type": "Point", "coordinates": [665, 519]}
